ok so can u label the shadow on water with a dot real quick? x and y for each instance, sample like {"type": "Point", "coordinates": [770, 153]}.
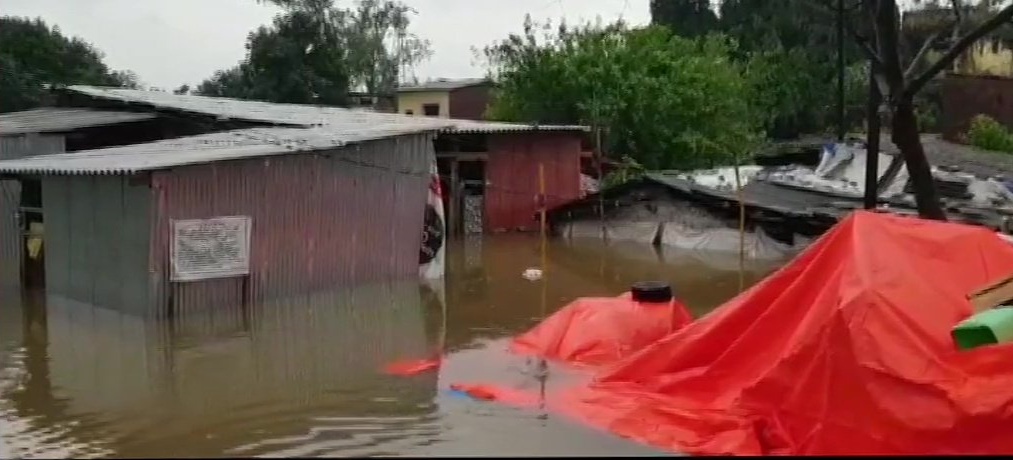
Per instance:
{"type": "Point", "coordinates": [302, 376]}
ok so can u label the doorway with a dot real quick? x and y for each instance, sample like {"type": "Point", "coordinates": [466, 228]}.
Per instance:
{"type": "Point", "coordinates": [33, 272]}
{"type": "Point", "coordinates": [463, 180]}
{"type": "Point", "coordinates": [472, 174]}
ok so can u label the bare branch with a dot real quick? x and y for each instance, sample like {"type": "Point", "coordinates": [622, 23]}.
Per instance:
{"type": "Point", "coordinates": [921, 54]}
{"type": "Point", "coordinates": [886, 21]}
{"type": "Point", "coordinates": [958, 19]}
{"type": "Point", "coordinates": [958, 48]}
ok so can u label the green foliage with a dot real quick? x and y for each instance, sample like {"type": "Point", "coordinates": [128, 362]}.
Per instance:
{"type": "Point", "coordinates": [629, 169]}
{"type": "Point", "coordinates": [798, 64]}
{"type": "Point", "coordinates": [314, 53]}
{"type": "Point", "coordinates": [665, 101]}
{"type": "Point", "coordinates": [989, 134]}
{"type": "Point", "coordinates": [32, 55]}
{"type": "Point", "coordinates": [380, 47]}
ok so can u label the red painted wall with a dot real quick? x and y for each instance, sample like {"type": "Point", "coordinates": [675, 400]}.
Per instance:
{"type": "Point", "coordinates": [470, 103]}
{"type": "Point", "coordinates": [965, 96]}
{"type": "Point", "coordinates": [512, 177]}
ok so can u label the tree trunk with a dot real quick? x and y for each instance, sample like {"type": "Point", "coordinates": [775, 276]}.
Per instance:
{"type": "Point", "coordinates": [908, 139]}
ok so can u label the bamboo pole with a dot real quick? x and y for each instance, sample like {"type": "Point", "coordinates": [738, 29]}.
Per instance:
{"type": "Point", "coordinates": [543, 369]}
{"type": "Point", "coordinates": [742, 226]}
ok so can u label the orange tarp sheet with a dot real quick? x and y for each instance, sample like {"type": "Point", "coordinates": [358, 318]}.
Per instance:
{"type": "Point", "coordinates": [846, 350]}
{"type": "Point", "coordinates": [596, 331]}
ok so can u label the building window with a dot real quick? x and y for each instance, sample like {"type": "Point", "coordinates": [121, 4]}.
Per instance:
{"type": "Point", "coordinates": [431, 110]}
{"type": "Point", "coordinates": [409, 112]}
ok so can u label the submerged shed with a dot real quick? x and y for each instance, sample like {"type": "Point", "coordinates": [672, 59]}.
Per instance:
{"type": "Point", "coordinates": [43, 131]}
{"type": "Point", "coordinates": [232, 217]}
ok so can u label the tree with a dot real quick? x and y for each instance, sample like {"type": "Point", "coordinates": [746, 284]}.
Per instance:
{"type": "Point", "coordinates": [314, 52]}
{"type": "Point", "coordinates": [688, 18]}
{"type": "Point", "coordinates": [794, 56]}
{"type": "Point", "coordinates": [33, 54]}
{"type": "Point", "coordinates": [664, 100]}
{"type": "Point", "coordinates": [298, 59]}
{"type": "Point", "coordinates": [876, 26]}
{"type": "Point", "coordinates": [381, 50]}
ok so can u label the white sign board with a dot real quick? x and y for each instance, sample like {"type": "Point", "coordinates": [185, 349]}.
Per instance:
{"type": "Point", "coordinates": [210, 248]}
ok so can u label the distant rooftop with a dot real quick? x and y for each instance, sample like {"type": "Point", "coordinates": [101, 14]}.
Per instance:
{"type": "Point", "coordinates": [208, 148]}
{"type": "Point", "coordinates": [291, 128]}
{"type": "Point", "coordinates": [298, 115]}
{"type": "Point", "coordinates": [443, 84]}
{"type": "Point", "coordinates": [53, 119]}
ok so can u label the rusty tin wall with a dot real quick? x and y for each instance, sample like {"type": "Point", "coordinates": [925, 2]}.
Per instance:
{"type": "Point", "coordinates": [17, 146]}
{"type": "Point", "coordinates": [340, 217]}
{"type": "Point", "coordinates": [512, 177]}
{"type": "Point", "coordinates": [96, 242]}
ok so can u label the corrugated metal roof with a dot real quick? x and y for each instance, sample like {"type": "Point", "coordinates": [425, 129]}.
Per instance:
{"type": "Point", "coordinates": [53, 119]}
{"type": "Point", "coordinates": [298, 114]}
{"type": "Point", "coordinates": [229, 145]}
{"type": "Point", "coordinates": [442, 85]}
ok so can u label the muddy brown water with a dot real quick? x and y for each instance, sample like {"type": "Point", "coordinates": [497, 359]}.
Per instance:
{"type": "Point", "coordinates": [301, 376]}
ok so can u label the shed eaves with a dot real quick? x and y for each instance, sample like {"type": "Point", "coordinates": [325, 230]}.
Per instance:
{"type": "Point", "coordinates": [54, 119]}
{"type": "Point", "coordinates": [208, 148]}
{"type": "Point", "coordinates": [299, 114]}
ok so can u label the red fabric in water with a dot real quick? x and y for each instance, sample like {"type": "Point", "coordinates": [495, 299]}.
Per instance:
{"type": "Point", "coordinates": [599, 331]}
{"type": "Point", "coordinates": [846, 350]}
{"type": "Point", "coordinates": [411, 368]}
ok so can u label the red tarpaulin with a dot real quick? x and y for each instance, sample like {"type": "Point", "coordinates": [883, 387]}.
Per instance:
{"type": "Point", "coordinates": [596, 331]}
{"type": "Point", "coordinates": [846, 350]}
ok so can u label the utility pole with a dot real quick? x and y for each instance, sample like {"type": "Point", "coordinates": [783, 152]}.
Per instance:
{"type": "Point", "coordinates": [841, 128]}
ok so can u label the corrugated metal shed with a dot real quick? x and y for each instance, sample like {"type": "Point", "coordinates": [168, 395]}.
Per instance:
{"type": "Point", "coordinates": [299, 114]}
{"type": "Point", "coordinates": [229, 145]}
{"type": "Point", "coordinates": [52, 119]}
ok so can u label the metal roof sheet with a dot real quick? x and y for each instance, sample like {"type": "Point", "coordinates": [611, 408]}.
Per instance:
{"type": "Point", "coordinates": [299, 114]}
{"type": "Point", "coordinates": [54, 119]}
{"type": "Point", "coordinates": [443, 85]}
{"type": "Point", "coordinates": [228, 145]}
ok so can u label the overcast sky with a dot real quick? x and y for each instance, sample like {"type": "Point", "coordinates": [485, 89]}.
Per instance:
{"type": "Point", "coordinates": [171, 42]}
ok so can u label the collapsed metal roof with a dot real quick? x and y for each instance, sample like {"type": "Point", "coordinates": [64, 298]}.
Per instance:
{"type": "Point", "coordinates": [208, 148]}
{"type": "Point", "coordinates": [54, 119]}
{"type": "Point", "coordinates": [298, 114]}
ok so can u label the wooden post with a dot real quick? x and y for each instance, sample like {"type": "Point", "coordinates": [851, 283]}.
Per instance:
{"type": "Point", "coordinates": [872, 141]}
{"type": "Point", "coordinates": [454, 218]}
{"type": "Point", "coordinates": [841, 128]}
{"type": "Point", "coordinates": [541, 202]}
{"type": "Point", "coordinates": [598, 158]}
{"type": "Point", "coordinates": [543, 368]}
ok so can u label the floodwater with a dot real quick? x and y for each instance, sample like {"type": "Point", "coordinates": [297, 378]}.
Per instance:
{"type": "Point", "coordinates": [302, 376]}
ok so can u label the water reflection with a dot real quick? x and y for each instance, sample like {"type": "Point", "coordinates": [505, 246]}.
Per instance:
{"type": "Point", "coordinates": [299, 371]}
{"type": "Point", "coordinates": [302, 376]}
